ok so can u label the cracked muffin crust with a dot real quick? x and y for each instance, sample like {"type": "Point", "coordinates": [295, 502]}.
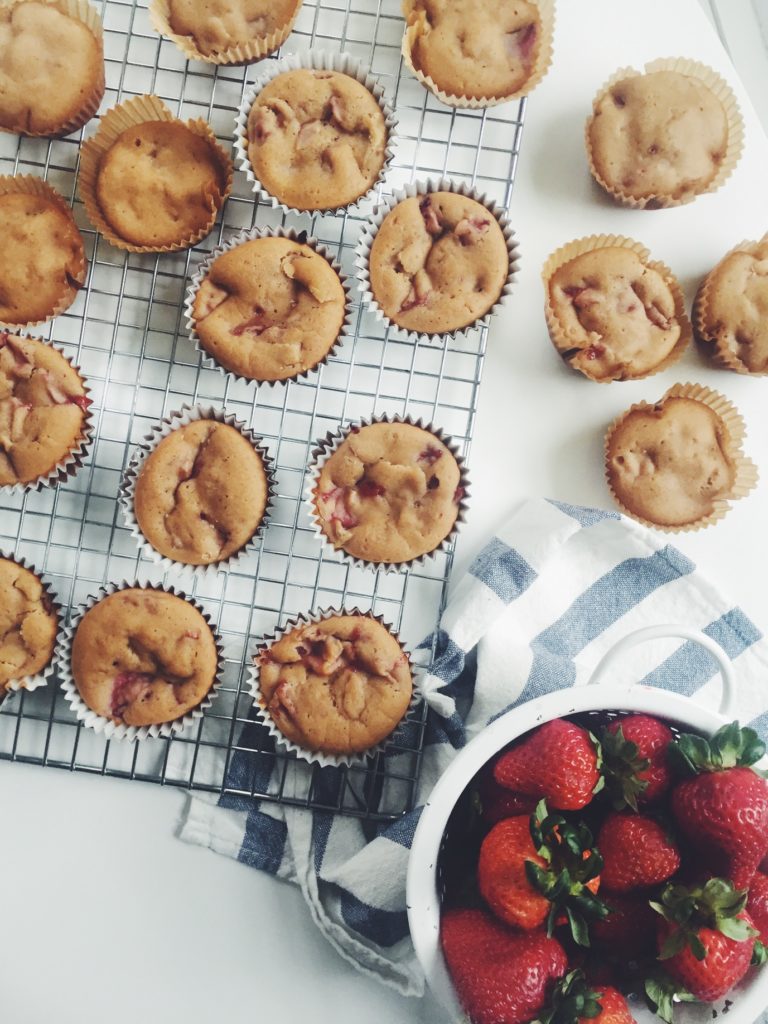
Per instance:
{"type": "Point", "coordinates": [483, 50]}
{"type": "Point", "coordinates": [615, 315]}
{"type": "Point", "coordinates": [339, 686]}
{"type": "Point", "coordinates": [220, 25]}
{"type": "Point", "coordinates": [438, 262]}
{"type": "Point", "coordinates": [316, 139]}
{"type": "Point", "coordinates": [269, 309]}
{"type": "Point", "coordinates": [201, 493]}
{"type": "Point", "coordinates": [389, 493]}
{"type": "Point", "coordinates": [732, 311]}
{"type": "Point", "coordinates": [42, 261]}
{"type": "Point", "coordinates": [28, 624]}
{"type": "Point", "coordinates": [658, 136]}
{"type": "Point", "coordinates": [143, 657]}
{"type": "Point", "coordinates": [161, 184]}
{"type": "Point", "coordinates": [51, 69]}
{"type": "Point", "coordinates": [43, 409]}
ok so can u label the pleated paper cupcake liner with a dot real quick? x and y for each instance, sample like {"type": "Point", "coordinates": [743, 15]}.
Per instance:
{"type": "Point", "coordinates": [565, 343]}
{"type": "Point", "coordinates": [315, 61]}
{"type": "Point", "coordinates": [127, 493]}
{"type": "Point", "coordinates": [130, 114]}
{"type": "Point", "coordinates": [247, 235]}
{"type": "Point", "coordinates": [326, 447]}
{"type": "Point", "coordinates": [106, 726]}
{"type": "Point", "coordinates": [368, 235]}
{"type": "Point", "coordinates": [38, 679]}
{"type": "Point", "coordinates": [319, 757]}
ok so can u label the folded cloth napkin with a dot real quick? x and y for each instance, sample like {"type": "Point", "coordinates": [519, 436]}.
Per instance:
{"type": "Point", "coordinates": [540, 605]}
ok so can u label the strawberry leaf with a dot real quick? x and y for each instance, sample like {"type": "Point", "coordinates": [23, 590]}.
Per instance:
{"type": "Point", "coordinates": [730, 747]}
{"type": "Point", "coordinates": [660, 993]}
{"type": "Point", "coordinates": [572, 1000]}
{"type": "Point", "coordinates": [622, 766]}
{"type": "Point", "coordinates": [759, 954]}
{"type": "Point", "coordinates": [674, 943]}
{"type": "Point", "coordinates": [579, 929]}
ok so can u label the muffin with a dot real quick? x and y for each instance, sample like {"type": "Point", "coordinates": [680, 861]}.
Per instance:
{"type": "Point", "coordinates": [28, 625]}
{"type": "Point", "coordinates": [731, 312]}
{"type": "Point", "coordinates": [42, 262]}
{"type": "Point", "coordinates": [664, 137]}
{"type": "Point", "coordinates": [143, 657]}
{"type": "Point", "coordinates": [201, 493]}
{"type": "Point", "coordinates": [152, 183]}
{"type": "Point", "coordinates": [225, 31]}
{"type": "Point", "coordinates": [388, 493]}
{"type": "Point", "coordinates": [269, 308]}
{"type": "Point", "coordinates": [44, 419]}
{"type": "Point", "coordinates": [676, 464]}
{"type": "Point", "coordinates": [337, 686]}
{"type": "Point", "coordinates": [481, 53]}
{"type": "Point", "coordinates": [613, 314]}
{"type": "Point", "coordinates": [316, 139]}
{"type": "Point", "coordinates": [51, 66]}
{"type": "Point", "coordinates": [438, 262]}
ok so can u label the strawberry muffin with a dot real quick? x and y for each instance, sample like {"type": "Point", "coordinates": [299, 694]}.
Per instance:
{"type": "Point", "coordinates": [226, 31]}
{"type": "Point", "coordinates": [28, 624]}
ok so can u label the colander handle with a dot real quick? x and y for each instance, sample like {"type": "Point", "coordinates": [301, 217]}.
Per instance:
{"type": "Point", "coordinates": [639, 636]}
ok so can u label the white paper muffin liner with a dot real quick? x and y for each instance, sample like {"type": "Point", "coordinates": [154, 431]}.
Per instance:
{"type": "Point", "coordinates": [30, 683]}
{"type": "Point", "coordinates": [369, 232]}
{"type": "Point", "coordinates": [247, 235]}
{"type": "Point", "coordinates": [325, 448]}
{"type": "Point", "coordinates": [316, 61]}
{"type": "Point", "coordinates": [67, 468]}
{"type": "Point", "coordinates": [317, 756]}
{"type": "Point", "coordinates": [105, 726]}
{"type": "Point", "coordinates": [127, 492]}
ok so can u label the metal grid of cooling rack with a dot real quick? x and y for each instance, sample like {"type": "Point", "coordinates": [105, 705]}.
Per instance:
{"type": "Point", "coordinates": [126, 332]}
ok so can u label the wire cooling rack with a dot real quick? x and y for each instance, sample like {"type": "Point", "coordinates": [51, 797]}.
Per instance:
{"type": "Point", "coordinates": [126, 332]}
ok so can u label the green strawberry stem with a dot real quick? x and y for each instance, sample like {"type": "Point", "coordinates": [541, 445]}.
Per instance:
{"type": "Point", "coordinates": [759, 954]}
{"type": "Point", "coordinates": [730, 747]}
{"type": "Point", "coordinates": [572, 1000]}
{"type": "Point", "coordinates": [622, 766]}
{"type": "Point", "coordinates": [660, 993]}
{"type": "Point", "coordinates": [715, 905]}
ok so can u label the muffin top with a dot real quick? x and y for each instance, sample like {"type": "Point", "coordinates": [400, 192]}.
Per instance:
{"type": "Point", "coordinates": [316, 139]}
{"type": "Point", "coordinates": [616, 314]}
{"type": "Point", "coordinates": [201, 494]}
{"type": "Point", "coordinates": [339, 686]}
{"type": "Point", "coordinates": [737, 306]}
{"type": "Point", "coordinates": [143, 657]}
{"type": "Point", "coordinates": [483, 50]}
{"type": "Point", "coordinates": [42, 261]}
{"type": "Point", "coordinates": [51, 68]}
{"type": "Point", "coordinates": [160, 184]}
{"type": "Point", "coordinates": [218, 25]}
{"type": "Point", "coordinates": [671, 462]}
{"type": "Point", "coordinates": [28, 624]}
{"type": "Point", "coordinates": [438, 262]}
{"type": "Point", "coordinates": [389, 493]}
{"type": "Point", "coordinates": [269, 309]}
{"type": "Point", "coordinates": [43, 407]}
{"type": "Point", "coordinates": [660, 134]}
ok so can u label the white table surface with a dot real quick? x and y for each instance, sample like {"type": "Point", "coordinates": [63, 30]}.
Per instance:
{"type": "Point", "coordinates": [104, 914]}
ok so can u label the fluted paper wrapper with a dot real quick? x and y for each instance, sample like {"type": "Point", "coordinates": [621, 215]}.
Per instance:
{"type": "Point", "coordinates": [746, 471]}
{"type": "Point", "coordinates": [318, 756]}
{"type": "Point", "coordinates": [721, 89]}
{"type": "Point", "coordinates": [119, 119]}
{"type": "Point", "coordinates": [538, 71]}
{"type": "Point", "coordinates": [105, 726]}
{"type": "Point", "coordinates": [560, 338]}
{"type": "Point", "coordinates": [30, 683]}
{"type": "Point", "coordinates": [368, 235]}
{"type": "Point", "coordinates": [317, 61]}
{"type": "Point", "coordinates": [127, 494]}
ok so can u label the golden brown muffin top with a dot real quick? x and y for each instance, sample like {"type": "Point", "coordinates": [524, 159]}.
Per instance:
{"type": "Point", "coordinates": [737, 306]}
{"type": "Point", "coordinates": [28, 623]}
{"type": "Point", "coordinates": [218, 25]}
{"type": "Point", "coordinates": [339, 686]}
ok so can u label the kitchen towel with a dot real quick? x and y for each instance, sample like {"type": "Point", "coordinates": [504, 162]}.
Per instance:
{"type": "Point", "coordinates": [539, 606]}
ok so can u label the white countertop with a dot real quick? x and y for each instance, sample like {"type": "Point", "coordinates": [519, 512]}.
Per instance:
{"type": "Point", "coordinates": [105, 915]}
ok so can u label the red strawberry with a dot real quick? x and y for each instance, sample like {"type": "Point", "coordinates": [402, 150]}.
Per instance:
{"type": "Point", "coordinates": [629, 929]}
{"type": "Point", "coordinates": [635, 764]}
{"type": "Point", "coordinates": [501, 976]}
{"type": "Point", "coordinates": [497, 802]}
{"type": "Point", "coordinates": [613, 1007]}
{"type": "Point", "coordinates": [559, 762]}
{"type": "Point", "coordinates": [501, 874]}
{"type": "Point", "coordinates": [575, 1000]}
{"type": "Point", "coordinates": [637, 853]}
{"type": "Point", "coordinates": [723, 811]}
{"type": "Point", "coordinates": [757, 905]}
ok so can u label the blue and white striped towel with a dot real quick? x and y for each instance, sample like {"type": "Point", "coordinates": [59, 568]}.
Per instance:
{"type": "Point", "coordinates": [539, 606]}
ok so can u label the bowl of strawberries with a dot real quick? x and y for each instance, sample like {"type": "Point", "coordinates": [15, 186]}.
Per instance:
{"type": "Point", "coordinates": [600, 853]}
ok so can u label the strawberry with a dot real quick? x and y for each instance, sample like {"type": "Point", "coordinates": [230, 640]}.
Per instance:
{"type": "Point", "coordinates": [635, 762]}
{"type": "Point", "coordinates": [723, 811]}
{"type": "Point", "coordinates": [637, 853]}
{"type": "Point", "coordinates": [757, 905]}
{"type": "Point", "coordinates": [575, 1000]}
{"type": "Point", "coordinates": [502, 877]}
{"type": "Point", "coordinates": [501, 976]}
{"type": "Point", "coordinates": [558, 762]}
{"type": "Point", "coordinates": [629, 929]}
{"type": "Point", "coordinates": [497, 802]}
